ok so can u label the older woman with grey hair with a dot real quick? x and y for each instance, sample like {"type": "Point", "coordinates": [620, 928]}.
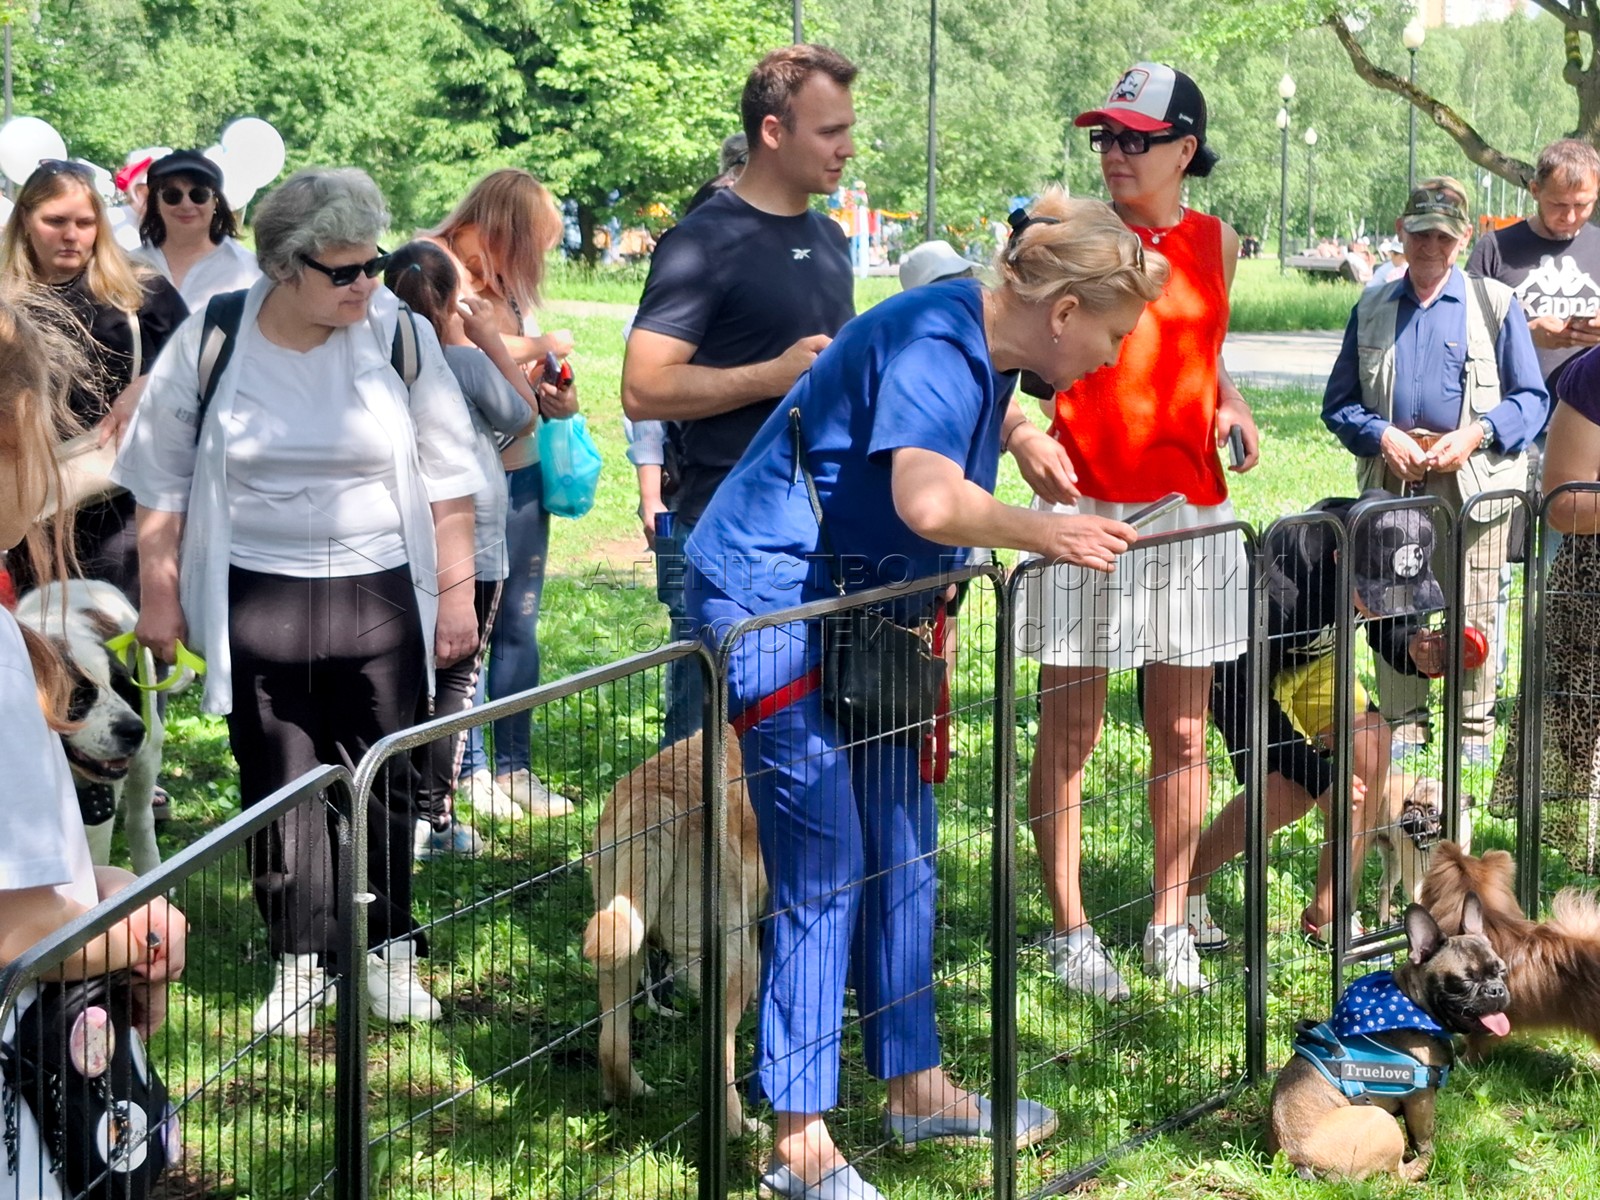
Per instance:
{"type": "Point", "coordinates": [314, 485]}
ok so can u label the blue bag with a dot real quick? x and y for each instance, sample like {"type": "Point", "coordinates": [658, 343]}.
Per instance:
{"type": "Point", "coordinates": [569, 465]}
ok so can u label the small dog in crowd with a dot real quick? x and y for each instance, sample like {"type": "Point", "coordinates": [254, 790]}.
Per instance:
{"type": "Point", "coordinates": [1552, 967]}
{"type": "Point", "coordinates": [646, 872]}
{"type": "Point", "coordinates": [1385, 1053]}
{"type": "Point", "coordinates": [1412, 821]}
{"type": "Point", "coordinates": [114, 758]}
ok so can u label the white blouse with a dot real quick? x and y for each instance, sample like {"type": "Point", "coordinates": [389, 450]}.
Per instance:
{"type": "Point", "coordinates": [228, 268]}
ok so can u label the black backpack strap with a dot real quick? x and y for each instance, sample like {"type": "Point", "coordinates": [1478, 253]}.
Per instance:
{"type": "Point", "coordinates": [224, 313]}
{"type": "Point", "coordinates": [403, 354]}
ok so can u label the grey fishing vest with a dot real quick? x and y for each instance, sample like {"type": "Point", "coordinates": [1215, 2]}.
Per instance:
{"type": "Point", "coordinates": [1485, 470]}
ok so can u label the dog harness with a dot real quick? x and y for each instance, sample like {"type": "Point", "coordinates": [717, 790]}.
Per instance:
{"type": "Point", "coordinates": [1345, 1053]}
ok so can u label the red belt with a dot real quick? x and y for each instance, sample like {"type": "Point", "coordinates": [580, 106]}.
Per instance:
{"type": "Point", "coordinates": [790, 693]}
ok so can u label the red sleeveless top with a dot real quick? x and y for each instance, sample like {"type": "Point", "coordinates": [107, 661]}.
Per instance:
{"type": "Point", "coordinates": [1147, 426]}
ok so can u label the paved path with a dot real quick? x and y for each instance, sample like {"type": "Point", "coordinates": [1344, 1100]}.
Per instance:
{"type": "Point", "coordinates": [1281, 359]}
{"type": "Point", "coordinates": [1264, 359]}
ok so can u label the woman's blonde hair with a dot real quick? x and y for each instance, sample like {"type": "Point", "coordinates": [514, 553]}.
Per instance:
{"type": "Point", "coordinates": [1081, 249]}
{"type": "Point", "coordinates": [37, 364]}
{"type": "Point", "coordinates": [111, 275]}
{"type": "Point", "coordinates": [517, 222]}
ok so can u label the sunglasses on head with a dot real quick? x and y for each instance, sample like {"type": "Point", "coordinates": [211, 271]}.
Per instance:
{"type": "Point", "coordinates": [200, 193]}
{"type": "Point", "coordinates": [1129, 141]}
{"type": "Point", "coordinates": [62, 166]}
{"type": "Point", "coordinates": [346, 275]}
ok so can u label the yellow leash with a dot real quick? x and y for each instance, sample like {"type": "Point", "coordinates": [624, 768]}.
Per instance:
{"type": "Point", "coordinates": [141, 666]}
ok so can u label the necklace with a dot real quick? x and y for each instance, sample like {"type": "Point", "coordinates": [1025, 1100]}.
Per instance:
{"type": "Point", "coordinates": [1154, 236]}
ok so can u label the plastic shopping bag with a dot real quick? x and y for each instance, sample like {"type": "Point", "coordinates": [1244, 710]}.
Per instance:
{"type": "Point", "coordinates": [570, 466]}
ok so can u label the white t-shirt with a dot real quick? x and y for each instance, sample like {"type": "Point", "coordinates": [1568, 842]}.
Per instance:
{"type": "Point", "coordinates": [311, 482]}
{"type": "Point", "coordinates": [228, 268]}
{"type": "Point", "coordinates": [42, 844]}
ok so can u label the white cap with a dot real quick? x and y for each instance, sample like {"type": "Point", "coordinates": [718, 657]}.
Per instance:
{"type": "Point", "coordinates": [1390, 247]}
{"type": "Point", "coordinates": [931, 262]}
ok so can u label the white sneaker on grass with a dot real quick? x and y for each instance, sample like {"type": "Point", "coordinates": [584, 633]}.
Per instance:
{"type": "Point", "coordinates": [487, 798]}
{"type": "Point", "coordinates": [299, 988]}
{"type": "Point", "coordinates": [1208, 935]}
{"type": "Point", "coordinates": [1170, 955]}
{"type": "Point", "coordinates": [528, 791]}
{"type": "Point", "coordinates": [395, 992]}
{"type": "Point", "coordinates": [1082, 964]}
{"type": "Point", "coordinates": [455, 840]}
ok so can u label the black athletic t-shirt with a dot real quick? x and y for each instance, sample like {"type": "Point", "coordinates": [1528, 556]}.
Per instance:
{"type": "Point", "coordinates": [742, 286]}
{"type": "Point", "coordinates": [1558, 278]}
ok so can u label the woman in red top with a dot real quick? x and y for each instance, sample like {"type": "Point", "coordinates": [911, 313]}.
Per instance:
{"type": "Point", "coordinates": [1150, 425]}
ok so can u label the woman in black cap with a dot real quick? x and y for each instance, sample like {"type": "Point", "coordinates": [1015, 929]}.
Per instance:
{"type": "Point", "coordinates": [59, 237]}
{"type": "Point", "coordinates": [190, 234]}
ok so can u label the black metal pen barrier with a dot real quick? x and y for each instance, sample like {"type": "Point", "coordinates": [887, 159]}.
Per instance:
{"type": "Point", "coordinates": [528, 1085]}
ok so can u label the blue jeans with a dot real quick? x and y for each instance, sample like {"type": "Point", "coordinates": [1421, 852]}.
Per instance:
{"type": "Point", "coordinates": [684, 684]}
{"type": "Point", "coordinates": [514, 645]}
{"type": "Point", "coordinates": [848, 835]}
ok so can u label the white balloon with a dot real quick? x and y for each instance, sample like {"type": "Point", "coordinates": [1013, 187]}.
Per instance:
{"type": "Point", "coordinates": [236, 186]}
{"type": "Point", "coordinates": [5, 210]}
{"type": "Point", "coordinates": [24, 141]}
{"type": "Point", "coordinates": [257, 149]}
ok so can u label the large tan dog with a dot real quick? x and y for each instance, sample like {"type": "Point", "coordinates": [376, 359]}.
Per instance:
{"type": "Point", "coordinates": [1413, 817]}
{"type": "Point", "coordinates": [1552, 967]}
{"type": "Point", "coordinates": [647, 875]}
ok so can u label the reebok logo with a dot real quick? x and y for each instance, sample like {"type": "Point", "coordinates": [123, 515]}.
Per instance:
{"type": "Point", "coordinates": [800, 252]}
{"type": "Point", "coordinates": [1559, 289]}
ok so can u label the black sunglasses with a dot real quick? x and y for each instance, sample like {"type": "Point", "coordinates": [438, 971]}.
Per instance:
{"type": "Point", "coordinates": [345, 276]}
{"type": "Point", "coordinates": [61, 166]}
{"type": "Point", "coordinates": [1129, 141]}
{"type": "Point", "coordinates": [199, 194]}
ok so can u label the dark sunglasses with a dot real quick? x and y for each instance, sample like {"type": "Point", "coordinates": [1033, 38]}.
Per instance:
{"type": "Point", "coordinates": [199, 194]}
{"type": "Point", "coordinates": [61, 166]}
{"type": "Point", "coordinates": [1129, 141]}
{"type": "Point", "coordinates": [345, 276]}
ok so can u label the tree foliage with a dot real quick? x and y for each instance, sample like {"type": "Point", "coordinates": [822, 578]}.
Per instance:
{"type": "Point", "coordinates": [620, 104]}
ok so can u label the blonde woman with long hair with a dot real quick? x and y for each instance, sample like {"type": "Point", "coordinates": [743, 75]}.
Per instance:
{"type": "Point", "coordinates": [46, 877]}
{"type": "Point", "coordinates": [59, 239]}
{"type": "Point", "coordinates": [498, 237]}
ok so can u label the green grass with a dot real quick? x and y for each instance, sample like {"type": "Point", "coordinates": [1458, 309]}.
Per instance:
{"type": "Point", "coordinates": [506, 932]}
{"type": "Point", "coordinates": [1263, 301]}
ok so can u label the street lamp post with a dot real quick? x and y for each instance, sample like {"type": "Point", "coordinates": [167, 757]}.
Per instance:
{"type": "Point", "coordinates": [1311, 184]}
{"type": "Point", "coordinates": [930, 221]}
{"type": "Point", "coordinates": [799, 21]}
{"type": "Point", "coordinates": [1286, 94]}
{"type": "Point", "coordinates": [1412, 37]}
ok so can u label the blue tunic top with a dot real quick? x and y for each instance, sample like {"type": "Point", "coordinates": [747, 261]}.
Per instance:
{"type": "Point", "coordinates": [913, 372]}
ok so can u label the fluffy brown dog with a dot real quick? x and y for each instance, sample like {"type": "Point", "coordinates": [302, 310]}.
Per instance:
{"type": "Point", "coordinates": [647, 875]}
{"type": "Point", "coordinates": [1552, 968]}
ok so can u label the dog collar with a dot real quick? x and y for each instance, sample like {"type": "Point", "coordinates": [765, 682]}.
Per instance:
{"type": "Point", "coordinates": [1362, 1068]}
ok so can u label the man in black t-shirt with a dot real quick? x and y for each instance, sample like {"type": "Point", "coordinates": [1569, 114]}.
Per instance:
{"type": "Point", "coordinates": [1552, 260]}
{"type": "Point", "coordinates": [743, 294]}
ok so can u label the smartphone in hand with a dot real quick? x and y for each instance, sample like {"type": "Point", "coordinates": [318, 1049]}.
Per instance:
{"type": "Point", "coordinates": [1152, 512]}
{"type": "Point", "coordinates": [1236, 453]}
{"type": "Point", "coordinates": [557, 371]}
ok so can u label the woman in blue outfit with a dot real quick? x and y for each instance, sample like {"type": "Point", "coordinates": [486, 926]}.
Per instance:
{"type": "Point", "coordinates": [903, 420]}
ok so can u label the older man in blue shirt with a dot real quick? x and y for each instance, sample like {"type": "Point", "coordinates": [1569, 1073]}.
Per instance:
{"type": "Point", "coordinates": [1437, 390]}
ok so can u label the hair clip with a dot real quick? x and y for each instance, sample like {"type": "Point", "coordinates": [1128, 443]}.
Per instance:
{"type": "Point", "coordinates": [1020, 220]}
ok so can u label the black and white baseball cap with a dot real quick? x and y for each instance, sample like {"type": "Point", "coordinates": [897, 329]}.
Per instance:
{"type": "Point", "coordinates": [1151, 97]}
{"type": "Point", "coordinates": [1391, 555]}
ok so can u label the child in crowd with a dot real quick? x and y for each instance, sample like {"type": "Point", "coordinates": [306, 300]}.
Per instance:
{"type": "Point", "coordinates": [504, 405]}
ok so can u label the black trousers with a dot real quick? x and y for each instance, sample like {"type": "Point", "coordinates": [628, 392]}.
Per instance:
{"type": "Point", "coordinates": [454, 689]}
{"type": "Point", "coordinates": [323, 668]}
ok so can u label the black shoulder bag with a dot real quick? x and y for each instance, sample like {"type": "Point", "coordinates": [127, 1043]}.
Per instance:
{"type": "Point", "coordinates": [880, 679]}
{"type": "Point", "coordinates": [102, 1110]}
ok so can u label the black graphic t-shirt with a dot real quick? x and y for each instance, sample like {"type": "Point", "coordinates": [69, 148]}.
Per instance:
{"type": "Point", "coordinates": [1559, 278]}
{"type": "Point", "coordinates": [742, 286]}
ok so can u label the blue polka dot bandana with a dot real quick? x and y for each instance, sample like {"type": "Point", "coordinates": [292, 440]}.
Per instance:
{"type": "Point", "coordinates": [1373, 1004]}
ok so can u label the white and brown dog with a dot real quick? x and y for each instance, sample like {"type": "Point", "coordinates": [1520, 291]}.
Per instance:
{"type": "Point", "coordinates": [114, 756]}
{"type": "Point", "coordinates": [1413, 822]}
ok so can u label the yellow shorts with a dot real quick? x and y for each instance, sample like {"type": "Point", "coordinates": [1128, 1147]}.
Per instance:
{"type": "Point", "coordinates": [1306, 693]}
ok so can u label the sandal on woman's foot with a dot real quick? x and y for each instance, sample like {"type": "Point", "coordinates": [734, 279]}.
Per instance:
{"type": "Point", "coordinates": [841, 1183]}
{"type": "Point", "coordinates": [1035, 1122]}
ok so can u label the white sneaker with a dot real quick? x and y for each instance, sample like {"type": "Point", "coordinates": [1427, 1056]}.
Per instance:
{"type": "Point", "coordinates": [455, 840]}
{"type": "Point", "coordinates": [1085, 966]}
{"type": "Point", "coordinates": [299, 988]}
{"type": "Point", "coordinates": [396, 994]}
{"type": "Point", "coordinates": [1170, 955]}
{"type": "Point", "coordinates": [528, 791]}
{"type": "Point", "coordinates": [1208, 935]}
{"type": "Point", "coordinates": [487, 798]}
